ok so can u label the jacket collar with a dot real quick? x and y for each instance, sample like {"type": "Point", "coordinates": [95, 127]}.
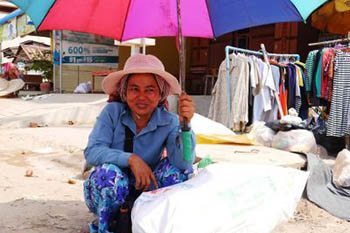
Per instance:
{"type": "Point", "coordinates": [160, 117]}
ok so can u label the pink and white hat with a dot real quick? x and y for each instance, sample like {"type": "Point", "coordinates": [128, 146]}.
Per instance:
{"type": "Point", "coordinates": [139, 64]}
{"type": "Point", "coordinates": [8, 87]}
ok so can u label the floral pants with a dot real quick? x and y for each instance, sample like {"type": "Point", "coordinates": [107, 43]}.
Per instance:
{"type": "Point", "coordinates": [108, 186]}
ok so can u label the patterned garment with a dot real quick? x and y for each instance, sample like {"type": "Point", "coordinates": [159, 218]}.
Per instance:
{"type": "Point", "coordinates": [108, 186]}
{"type": "Point", "coordinates": [337, 124]}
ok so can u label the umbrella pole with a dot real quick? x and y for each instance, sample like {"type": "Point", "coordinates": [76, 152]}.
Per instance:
{"type": "Point", "coordinates": [186, 134]}
{"type": "Point", "coordinates": [182, 50]}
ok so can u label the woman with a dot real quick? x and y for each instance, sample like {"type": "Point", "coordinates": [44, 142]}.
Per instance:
{"type": "Point", "coordinates": [127, 143]}
{"type": "Point", "coordinates": [10, 81]}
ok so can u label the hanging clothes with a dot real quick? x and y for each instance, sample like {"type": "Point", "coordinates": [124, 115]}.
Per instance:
{"type": "Point", "coordinates": [310, 64]}
{"type": "Point", "coordinates": [239, 83]}
{"type": "Point", "coordinates": [263, 102]}
{"type": "Point", "coordinates": [337, 124]}
{"type": "Point", "coordinates": [255, 90]}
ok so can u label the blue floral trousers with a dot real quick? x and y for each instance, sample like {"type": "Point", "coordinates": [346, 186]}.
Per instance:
{"type": "Point", "coordinates": [108, 186]}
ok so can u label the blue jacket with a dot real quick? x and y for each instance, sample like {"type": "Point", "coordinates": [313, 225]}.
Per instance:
{"type": "Point", "coordinates": [106, 141]}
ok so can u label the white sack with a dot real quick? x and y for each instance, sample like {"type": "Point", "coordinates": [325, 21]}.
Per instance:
{"type": "Point", "coordinates": [261, 134]}
{"type": "Point", "coordinates": [222, 198]}
{"type": "Point", "coordinates": [341, 169]}
{"type": "Point", "coordinates": [297, 140]}
{"type": "Point", "coordinates": [206, 126]}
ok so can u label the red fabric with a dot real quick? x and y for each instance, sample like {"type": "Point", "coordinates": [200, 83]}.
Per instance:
{"type": "Point", "coordinates": [283, 96]}
{"type": "Point", "coordinates": [87, 16]}
{"type": "Point", "coordinates": [326, 59]}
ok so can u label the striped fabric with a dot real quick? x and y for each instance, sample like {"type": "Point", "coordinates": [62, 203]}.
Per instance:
{"type": "Point", "coordinates": [337, 124]}
{"type": "Point", "coordinates": [310, 64]}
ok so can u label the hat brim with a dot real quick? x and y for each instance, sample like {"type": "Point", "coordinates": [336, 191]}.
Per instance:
{"type": "Point", "coordinates": [109, 83]}
{"type": "Point", "coordinates": [13, 86]}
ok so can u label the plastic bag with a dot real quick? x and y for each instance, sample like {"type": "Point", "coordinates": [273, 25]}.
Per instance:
{"type": "Point", "coordinates": [298, 140]}
{"type": "Point", "coordinates": [261, 134]}
{"type": "Point", "coordinates": [341, 169]}
{"type": "Point", "coordinates": [83, 88]}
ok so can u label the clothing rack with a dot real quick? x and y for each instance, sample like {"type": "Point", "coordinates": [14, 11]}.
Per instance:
{"type": "Point", "coordinates": [329, 42]}
{"type": "Point", "coordinates": [347, 39]}
{"type": "Point", "coordinates": [228, 49]}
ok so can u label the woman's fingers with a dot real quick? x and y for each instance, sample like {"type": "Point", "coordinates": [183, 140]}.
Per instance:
{"type": "Point", "coordinates": [137, 182]}
{"type": "Point", "coordinates": [142, 172]}
{"type": "Point", "coordinates": [148, 182]}
{"type": "Point", "coordinates": [154, 180]}
{"type": "Point", "coordinates": [143, 182]}
{"type": "Point", "coordinates": [186, 111]}
{"type": "Point", "coordinates": [186, 107]}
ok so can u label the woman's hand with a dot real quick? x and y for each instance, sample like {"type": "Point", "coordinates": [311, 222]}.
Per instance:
{"type": "Point", "coordinates": [186, 107]}
{"type": "Point", "coordinates": [142, 172]}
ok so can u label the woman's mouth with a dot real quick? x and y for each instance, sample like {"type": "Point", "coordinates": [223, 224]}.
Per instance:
{"type": "Point", "coordinates": [141, 105]}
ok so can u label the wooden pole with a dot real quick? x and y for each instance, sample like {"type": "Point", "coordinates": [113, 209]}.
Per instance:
{"type": "Point", "coordinates": [182, 49]}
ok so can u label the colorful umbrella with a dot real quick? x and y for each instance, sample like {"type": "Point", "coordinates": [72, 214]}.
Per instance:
{"type": "Point", "coordinates": [333, 17]}
{"type": "Point", "coordinates": [128, 19]}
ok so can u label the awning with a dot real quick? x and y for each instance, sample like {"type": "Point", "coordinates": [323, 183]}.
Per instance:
{"type": "Point", "coordinates": [10, 16]}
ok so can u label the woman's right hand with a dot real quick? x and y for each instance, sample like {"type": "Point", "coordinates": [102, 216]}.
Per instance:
{"type": "Point", "coordinates": [142, 172]}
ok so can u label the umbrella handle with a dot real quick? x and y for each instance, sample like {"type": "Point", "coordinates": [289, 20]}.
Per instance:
{"type": "Point", "coordinates": [186, 141]}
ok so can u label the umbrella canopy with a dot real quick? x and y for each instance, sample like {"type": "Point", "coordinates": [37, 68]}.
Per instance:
{"type": "Point", "coordinates": [333, 17]}
{"type": "Point", "coordinates": [128, 19]}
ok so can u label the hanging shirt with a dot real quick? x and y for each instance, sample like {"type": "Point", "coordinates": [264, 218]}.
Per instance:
{"type": "Point", "coordinates": [283, 90]}
{"type": "Point", "coordinates": [240, 102]}
{"type": "Point", "coordinates": [220, 102]}
{"type": "Point", "coordinates": [291, 77]}
{"type": "Point", "coordinates": [319, 74]}
{"type": "Point", "coordinates": [300, 77]}
{"type": "Point", "coordinates": [239, 84]}
{"type": "Point", "coordinates": [254, 75]}
{"type": "Point", "coordinates": [328, 57]}
{"type": "Point", "coordinates": [310, 64]}
{"type": "Point", "coordinates": [263, 101]}
{"type": "Point", "coordinates": [276, 77]}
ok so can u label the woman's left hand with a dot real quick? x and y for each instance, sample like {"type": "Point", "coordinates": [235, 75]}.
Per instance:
{"type": "Point", "coordinates": [186, 107]}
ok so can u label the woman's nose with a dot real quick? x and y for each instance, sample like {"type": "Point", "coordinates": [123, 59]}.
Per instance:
{"type": "Point", "coordinates": [142, 94]}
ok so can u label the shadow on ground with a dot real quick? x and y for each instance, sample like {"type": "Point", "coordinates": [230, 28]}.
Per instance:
{"type": "Point", "coordinates": [39, 216]}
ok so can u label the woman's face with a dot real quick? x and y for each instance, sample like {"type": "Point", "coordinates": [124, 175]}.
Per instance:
{"type": "Point", "coordinates": [142, 94]}
{"type": "Point", "coordinates": [13, 73]}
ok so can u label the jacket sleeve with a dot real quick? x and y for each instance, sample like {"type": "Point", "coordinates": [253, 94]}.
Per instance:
{"type": "Point", "coordinates": [98, 150]}
{"type": "Point", "coordinates": [174, 146]}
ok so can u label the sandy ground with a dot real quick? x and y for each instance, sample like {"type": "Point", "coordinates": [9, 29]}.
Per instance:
{"type": "Point", "coordinates": [51, 200]}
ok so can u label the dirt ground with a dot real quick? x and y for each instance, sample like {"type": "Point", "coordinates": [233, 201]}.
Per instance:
{"type": "Point", "coordinates": [47, 202]}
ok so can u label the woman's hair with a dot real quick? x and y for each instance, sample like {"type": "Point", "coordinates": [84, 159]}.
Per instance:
{"type": "Point", "coordinates": [120, 94]}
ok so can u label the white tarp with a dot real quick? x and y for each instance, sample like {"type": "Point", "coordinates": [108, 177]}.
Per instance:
{"type": "Point", "coordinates": [222, 198]}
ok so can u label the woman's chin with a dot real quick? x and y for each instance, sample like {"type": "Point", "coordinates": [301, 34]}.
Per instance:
{"type": "Point", "coordinates": [143, 113]}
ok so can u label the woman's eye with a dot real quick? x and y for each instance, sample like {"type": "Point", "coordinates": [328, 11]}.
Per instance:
{"type": "Point", "coordinates": [133, 89]}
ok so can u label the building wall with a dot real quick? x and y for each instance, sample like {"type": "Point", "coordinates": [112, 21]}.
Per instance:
{"type": "Point", "coordinates": [165, 50]}
{"type": "Point", "coordinates": [72, 75]}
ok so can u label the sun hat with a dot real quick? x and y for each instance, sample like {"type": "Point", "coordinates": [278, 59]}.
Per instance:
{"type": "Point", "coordinates": [139, 64]}
{"type": "Point", "coordinates": [8, 87]}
